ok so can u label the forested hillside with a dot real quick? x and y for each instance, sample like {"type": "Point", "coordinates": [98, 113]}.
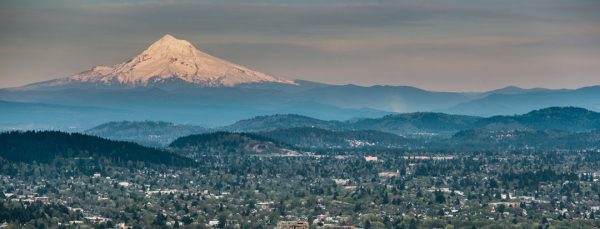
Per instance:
{"type": "Point", "coordinates": [149, 133]}
{"type": "Point", "coordinates": [226, 143]}
{"type": "Point", "coordinates": [317, 138]}
{"type": "Point", "coordinates": [44, 146]}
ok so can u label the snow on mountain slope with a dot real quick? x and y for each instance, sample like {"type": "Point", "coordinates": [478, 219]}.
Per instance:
{"type": "Point", "coordinates": [166, 60]}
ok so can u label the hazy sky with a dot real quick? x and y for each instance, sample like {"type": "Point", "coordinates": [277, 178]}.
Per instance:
{"type": "Point", "coordinates": [457, 45]}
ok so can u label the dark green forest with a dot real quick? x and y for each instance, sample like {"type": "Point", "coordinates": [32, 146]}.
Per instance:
{"type": "Point", "coordinates": [44, 146]}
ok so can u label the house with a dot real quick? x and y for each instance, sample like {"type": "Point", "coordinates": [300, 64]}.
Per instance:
{"type": "Point", "coordinates": [389, 174]}
{"type": "Point", "coordinates": [370, 158]}
{"type": "Point", "coordinates": [292, 225]}
{"type": "Point", "coordinates": [341, 181]}
{"type": "Point", "coordinates": [264, 204]}
{"type": "Point", "coordinates": [213, 223]}
{"type": "Point", "coordinates": [41, 199]}
{"type": "Point", "coordinates": [123, 226]}
{"type": "Point", "coordinates": [97, 219]}
{"type": "Point", "coordinates": [507, 204]}
{"type": "Point", "coordinates": [76, 222]}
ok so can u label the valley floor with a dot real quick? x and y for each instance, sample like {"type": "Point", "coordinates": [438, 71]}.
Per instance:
{"type": "Point", "coordinates": [378, 190]}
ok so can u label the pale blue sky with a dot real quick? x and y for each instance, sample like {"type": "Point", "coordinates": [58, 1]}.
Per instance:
{"type": "Point", "coordinates": [457, 45]}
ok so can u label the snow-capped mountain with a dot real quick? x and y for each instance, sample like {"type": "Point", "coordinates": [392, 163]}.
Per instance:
{"type": "Point", "coordinates": [167, 60]}
{"type": "Point", "coordinates": [162, 83]}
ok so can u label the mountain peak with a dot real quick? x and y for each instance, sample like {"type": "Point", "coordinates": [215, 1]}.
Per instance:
{"type": "Point", "coordinates": [170, 43]}
{"type": "Point", "coordinates": [169, 60]}
{"type": "Point", "coordinates": [168, 37]}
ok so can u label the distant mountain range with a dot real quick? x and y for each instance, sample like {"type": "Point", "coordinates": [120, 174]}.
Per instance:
{"type": "Point", "coordinates": [173, 81]}
{"type": "Point", "coordinates": [148, 133]}
{"type": "Point", "coordinates": [555, 128]}
{"type": "Point", "coordinates": [559, 118]}
{"type": "Point", "coordinates": [308, 139]}
{"type": "Point", "coordinates": [387, 130]}
{"type": "Point", "coordinates": [508, 103]}
{"type": "Point", "coordinates": [554, 118]}
{"type": "Point", "coordinates": [48, 146]}
{"type": "Point", "coordinates": [486, 140]}
{"type": "Point", "coordinates": [27, 116]}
